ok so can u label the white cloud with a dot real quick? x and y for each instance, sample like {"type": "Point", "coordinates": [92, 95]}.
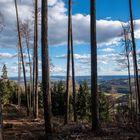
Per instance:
{"type": "Point", "coordinates": [58, 69]}
{"type": "Point", "coordinates": [108, 31]}
{"type": "Point", "coordinates": [7, 55]}
{"type": "Point", "coordinates": [52, 2]}
{"type": "Point", "coordinates": [108, 50]}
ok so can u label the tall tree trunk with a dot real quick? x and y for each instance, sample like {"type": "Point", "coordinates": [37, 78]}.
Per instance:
{"type": "Point", "coordinates": [73, 75]}
{"type": "Point", "coordinates": [33, 84]}
{"type": "Point", "coordinates": [134, 55]}
{"type": "Point", "coordinates": [36, 58]}
{"type": "Point", "coordinates": [34, 65]}
{"type": "Point", "coordinates": [22, 57]}
{"type": "Point", "coordinates": [19, 75]}
{"type": "Point", "coordinates": [45, 70]}
{"type": "Point", "coordinates": [68, 63]}
{"type": "Point", "coordinates": [94, 93]}
{"type": "Point", "coordinates": [129, 79]}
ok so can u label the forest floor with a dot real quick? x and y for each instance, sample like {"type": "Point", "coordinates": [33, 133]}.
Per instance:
{"type": "Point", "coordinates": [29, 129]}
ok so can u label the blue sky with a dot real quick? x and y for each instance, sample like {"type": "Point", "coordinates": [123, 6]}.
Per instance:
{"type": "Point", "coordinates": [116, 9]}
{"type": "Point", "coordinates": [109, 15]}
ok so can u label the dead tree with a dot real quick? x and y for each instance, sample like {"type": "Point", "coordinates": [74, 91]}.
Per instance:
{"type": "Point", "coordinates": [127, 41]}
{"type": "Point", "coordinates": [22, 56]}
{"type": "Point", "coordinates": [26, 33]}
{"type": "Point", "coordinates": [134, 56]}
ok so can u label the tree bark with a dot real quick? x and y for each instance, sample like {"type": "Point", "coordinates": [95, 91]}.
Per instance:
{"type": "Point", "coordinates": [36, 58]}
{"type": "Point", "coordinates": [68, 64]}
{"type": "Point", "coordinates": [94, 94]}
{"type": "Point", "coordinates": [130, 87]}
{"type": "Point", "coordinates": [19, 76]}
{"type": "Point", "coordinates": [73, 76]}
{"type": "Point", "coordinates": [134, 54]}
{"type": "Point", "coordinates": [45, 70]}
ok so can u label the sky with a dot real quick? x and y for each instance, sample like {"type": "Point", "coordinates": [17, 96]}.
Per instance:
{"type": "Point", "coordinates": [110, 14]}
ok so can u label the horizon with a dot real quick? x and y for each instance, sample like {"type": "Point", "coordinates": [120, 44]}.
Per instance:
{"type": "Point", "coordinates": [75, 76]}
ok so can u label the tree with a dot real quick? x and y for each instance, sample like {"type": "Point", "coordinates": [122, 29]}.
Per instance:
{"type": "Point", "coordinates": [68, 63]}
{"type": "Point", "coordinates": [26, 33]}
{"type": "Point", "coordinates": [94, 94]}
{"type": "Point", "coordinates": [83, 103]}
{"type": "Point", "coordinates": [19, 75]}
{"type": "Point", "coordinates": [103, 107]}
{"type": "Point", "coordinates": [21, 53]}
{"type": "Point", "coordinates": [1, 121]}
{"type": "Point", "coordinates": [35, 84]}
{"type": "Point", "coordinates": [128, 42]}
{"type": "Point", "coordinates": [4, 73]}
{"type": "Point", "coordinates": [124, 59]}
{"type": "Point", "coordinates": [45, 70]}
{"type": "Point", "coordinates": [134, 54]}
{"type": "Point", "coordinates": [73, 75]}
{"type": "Point", "coordinates": [58, 98]}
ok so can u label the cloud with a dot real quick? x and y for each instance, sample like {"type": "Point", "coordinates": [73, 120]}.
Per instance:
{"type": "Point", "coordinates": [58, 69]}
{"type": "Point", "coordinates": [85, 59]}
{"type": "Point", "coordinates": [108, 50]}
{"type": "Point", "coordinates": [7, 56]}
{"type": "Point", "coordinates": [108, 31]}
{"type": "Point", "coordinates": [76, 56]}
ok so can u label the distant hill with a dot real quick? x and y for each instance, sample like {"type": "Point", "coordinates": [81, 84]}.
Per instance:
{"type": "Point", "coordinates": [80, 78]}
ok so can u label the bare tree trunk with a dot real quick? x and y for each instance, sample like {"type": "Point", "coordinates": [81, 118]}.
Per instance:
{"type": "Point", "coordinates": [134, 54]}
{"type": "Point", "coordinates": [127, 45]}
{"type": "Point", "coordinates": [45, 70]}
{"type": "Point", "coordinates": [22, 57]}
{"type": "Point", "coordinates": [68, 64]}
{"type": "Point", "coordinates": [19, 76]}
{"type": "Point", "coordinates": [33, 84]}
{"type": "Point", "coordinates": [94, 93]}
{"type": "Point", "coordinates": [30, 65]}
{"type": "Point", "coordinates": [130, 87]}
{"type": "Point", "coordinates": [73, 76]}
{"type": "Point", "coordinates": [36, 58]}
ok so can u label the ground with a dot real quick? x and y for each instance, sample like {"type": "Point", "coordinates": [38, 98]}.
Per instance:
{"type": "Point", "coordinates": [29, 129]}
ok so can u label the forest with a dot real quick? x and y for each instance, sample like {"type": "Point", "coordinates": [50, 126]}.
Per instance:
{"type": "Point", "coordinates": [37, 104]}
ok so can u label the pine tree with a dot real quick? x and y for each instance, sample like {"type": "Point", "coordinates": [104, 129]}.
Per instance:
{"type": "Point", "coordinates": [94, 93]}
{"type": "Point", "coordinates": [81, 103]}
{"type": "Point", "coordinates": [4, 72]}
{"type": "Point", "coordinates": [46, 70]}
